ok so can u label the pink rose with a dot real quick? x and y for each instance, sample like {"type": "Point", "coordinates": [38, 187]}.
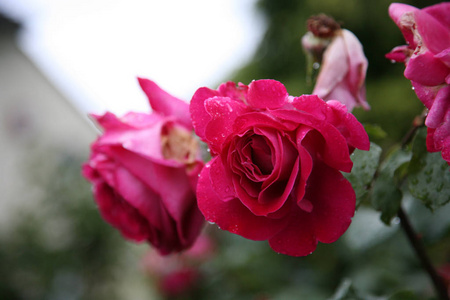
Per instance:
{"type": "Point", "coordinates": [144, 170]}
{"type": "Point", "coordinates": [275, 171]}
{"type": "Point", "coordinates": [343, 71]}
{"type": "Point", "coordinates": [427, 60]}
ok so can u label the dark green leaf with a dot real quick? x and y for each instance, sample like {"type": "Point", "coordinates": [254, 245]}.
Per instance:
{"type": "Point", "coordinates": [375, 131]}
{"type": "Point", "coordinates": [429, 175]}
{"type": "Point", "coordinates": [386, 195]}
{"type": "Point", "coordinates": [365, 163]}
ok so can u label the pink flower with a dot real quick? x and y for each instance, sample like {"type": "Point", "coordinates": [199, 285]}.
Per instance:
{"type": "Point", "coordinates": [179, 274]}
{"type": "Point", "coordinates": [275, 171]}
{"type": "Point", "coordinates": [144, 170]}
{"type": "Point", "coordinates": [427, 60]}
{"type": "Point", "coordinates": [343, 72]}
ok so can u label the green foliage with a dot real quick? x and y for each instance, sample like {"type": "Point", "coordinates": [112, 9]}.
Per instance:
{"type": "Point", "coordinates": [386, 195]}
{"type": "Point", "coordinates": [403, 295]}
{"type": "Point", "coordinates": [62, 250]}
{"type": "Point", "coordinates": [365, 164]}
{"type": "Point", "coordinates": [428, 174]}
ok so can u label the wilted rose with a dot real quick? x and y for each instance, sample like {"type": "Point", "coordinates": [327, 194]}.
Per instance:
{"type": "Point", "coordinates": [427, 60]}
{"type": "Point", "coordinates": [343, 63]}
{"type": "Point", "coordinates": [275, 171]}
{"type": "Point", "coordinates": [144, 170]}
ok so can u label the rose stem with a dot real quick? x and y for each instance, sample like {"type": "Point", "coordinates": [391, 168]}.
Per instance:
{"type": "Point", "coordinates": [419, 248]}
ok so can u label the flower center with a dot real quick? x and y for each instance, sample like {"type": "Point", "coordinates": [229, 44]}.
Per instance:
{"type": "Point", "coordinates": [178, 144]}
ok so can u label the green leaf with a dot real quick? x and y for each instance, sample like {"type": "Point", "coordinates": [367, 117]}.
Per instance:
{"type": "Point", "coordinates": [375, 131]}
{"type": "Point", "coordinates": [386, 195]}
{"type": "Point", "coordinates": [429, 175]}
{"type": "Point", "coordinates": [365, 164]}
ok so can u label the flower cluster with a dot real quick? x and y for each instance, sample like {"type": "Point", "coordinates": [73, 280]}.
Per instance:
{"type": "Point", "coordinates": [427, 60]}
{"type": "Point", "coordinates": [276, 160]}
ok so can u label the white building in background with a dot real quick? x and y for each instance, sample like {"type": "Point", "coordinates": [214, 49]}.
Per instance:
{"type": "Point", "coordinates": [35, 122]}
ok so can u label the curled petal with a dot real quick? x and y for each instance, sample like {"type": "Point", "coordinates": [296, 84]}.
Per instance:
{"type": "Point", "coordinates": [200, 117]}
{"type": "Point", "coordinates": [166, 104]}
{"type": "Point", "coordinates": [232, 215]}
{"type": "Point", "coordinates": [266, 94]}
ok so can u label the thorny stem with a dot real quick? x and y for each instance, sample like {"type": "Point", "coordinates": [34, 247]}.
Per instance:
{"type": "Point", "coordinates": [419, 248]}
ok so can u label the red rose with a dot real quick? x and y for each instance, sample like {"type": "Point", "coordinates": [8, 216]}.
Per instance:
{"type": "Point", "coordinates": [427, 60]}
{"type": "Point", "coordinates": [275, 171]}
{"type": "Point", "coordinates": [144, 169]}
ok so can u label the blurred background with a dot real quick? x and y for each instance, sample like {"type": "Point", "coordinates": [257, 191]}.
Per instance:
{"type": "Point", "coordinates": [60, 60]}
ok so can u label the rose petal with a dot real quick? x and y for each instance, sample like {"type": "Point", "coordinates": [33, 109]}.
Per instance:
{"type": "Point", "coordinates": [333, 201]}
{"type": "Point", "coordinates": [426, 69]}
{"type": "Point", "coordinates": [348, 125]}
{"type": "Point", "coordinates": [109, 121]}
{"type": "Point", "coordinates": [399, 54]}
{"type": "Point", "coordinates": [441, 106]}
{"type": "Point", "coordinates": [335, 66]}
{"type": "Point", "coordinates": [266, 93]}
{"type": "Point", "coordinates": [172, 184]}
{"type": "Point", "coordinates": [333, 148]}
{"type": "Point", "coordinates": [220, 180]}
{"type": "Point", "coordinates": [232, 215]}
{"type": "Point", "coordinates": [251, 120]}
{"type": "Point", "coordinates": [297, 238]}
{"type": "Point", "coordinates": [357, 64]}
{"type": "Point", "coordinates": [166, 104]}
{"type": "Point", "coordinates": [223, 112]}
{"type": "Point", "coordinates": [145, 141]}
{"type": "Point", "coordinates": [403, 16]}
{"type": "Point", "coordinates": [436, 36]}
{"type": "Point", "coordinates": [233, 91]}
{"type": "Point", "coordinates": [119, 214]}
{"type": "Point", "coordinates": [444, 57]}
{"type": "Point", "coordinates": [441, 12]}
{"type": "Point", "coordinates": [311, 104]}
{"type": "Point", "coordinates": [200, 117]}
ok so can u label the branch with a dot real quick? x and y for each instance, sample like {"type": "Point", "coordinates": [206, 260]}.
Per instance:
{"type": "Point", "coordinates": [419, 248]}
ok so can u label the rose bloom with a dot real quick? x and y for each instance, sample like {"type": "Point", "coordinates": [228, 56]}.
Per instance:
{"type": "Point", "coordinates": [144, 170]}
{"type": "Point", "coordinates": [343, 63]}
{"type": "Point", "coordinates": [427, 60]}
{"type": "Point", "coordinates": [276, 161]}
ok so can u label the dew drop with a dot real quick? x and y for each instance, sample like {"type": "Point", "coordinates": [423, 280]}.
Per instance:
{"type": "Point", "coordinates": [396, 221]}
{"type": "Point", "coordinates": [413, 88]}
{"type": "Point", "coordinates": [392, 61]}
{"type": "Point", "coordinates": [316, 66]}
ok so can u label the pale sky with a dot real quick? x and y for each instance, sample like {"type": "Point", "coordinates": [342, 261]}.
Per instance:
{"type": "Point", "coordinates": [93, 49]}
